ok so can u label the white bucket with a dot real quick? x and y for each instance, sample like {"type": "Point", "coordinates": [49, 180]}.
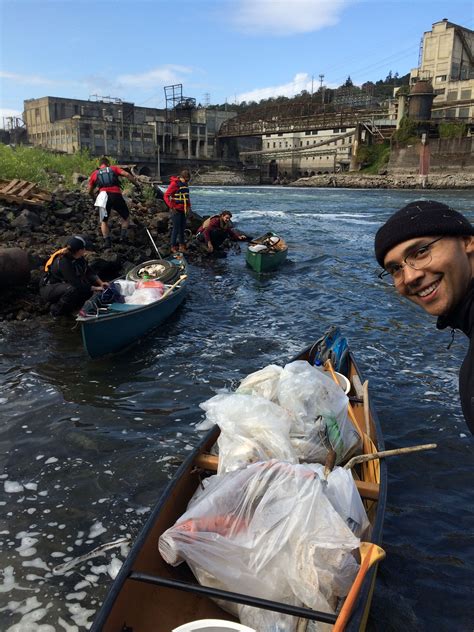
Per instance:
{"type": "Point", "coordinates": [343, 383]}
{"type": "Point", "coordinates": [212, 625]}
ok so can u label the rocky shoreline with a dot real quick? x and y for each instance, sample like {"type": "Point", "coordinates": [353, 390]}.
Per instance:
{"type": "Point", "coordinates": [388, 181]}
{"type": "Point", "coordinates": [40, 230]}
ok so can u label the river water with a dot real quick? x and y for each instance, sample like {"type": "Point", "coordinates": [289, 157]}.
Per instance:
{"type": "Point", "coordinates": [87, 446]}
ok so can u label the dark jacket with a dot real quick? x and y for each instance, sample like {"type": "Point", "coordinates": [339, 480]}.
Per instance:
{"type": "Point", "coordinates": [215, 223]}
{"type": "Point", "coordinates": [76, 272]}
{"type": "Point", "coordinates": [177, 195]}
{"type": "Point", "coordinates": [462, 317]}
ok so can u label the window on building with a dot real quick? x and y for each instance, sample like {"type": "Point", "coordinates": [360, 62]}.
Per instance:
{"type": "Point", "coordinates": [439, 91]}
{"type": "Point", "coordinates": [463, 113]}
{"type": "Point", "coordinates": [452, 95]}
{"type": "Point", "coordinates": [465, 94]}
{"type": "Point", "coordinates": [440, 78]}
{"type": "Point", "coordinates": [307, 133]}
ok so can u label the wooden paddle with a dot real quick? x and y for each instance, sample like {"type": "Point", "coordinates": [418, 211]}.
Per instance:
{"type": "Point", "coordinates": [371, 554]}
{"type": "Point", "coordinates": [363, 458]}
{"type": "Point", "coordinates": [181, 278]}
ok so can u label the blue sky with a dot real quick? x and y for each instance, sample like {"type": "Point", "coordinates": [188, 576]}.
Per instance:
{"type": "Point", "coordinates": [220, 50]}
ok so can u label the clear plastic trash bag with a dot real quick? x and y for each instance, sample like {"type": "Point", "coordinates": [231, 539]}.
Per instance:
{"type": "Point", "coordinates": [268, 530]}
{"type": "Point", "coordinates": [252, 429]}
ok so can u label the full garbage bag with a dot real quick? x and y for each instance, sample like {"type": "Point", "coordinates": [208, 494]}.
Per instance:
{"type": "Point", "coordinates": [252, 429]}
{"type": "Point", "coordinates": [263, 382]}
{"type": "Point", "coordinates": [317, 406]}
{"type": "Point", "coordinates": [144, 296]}
{"type": "Point", "coordinates": [271, 531]}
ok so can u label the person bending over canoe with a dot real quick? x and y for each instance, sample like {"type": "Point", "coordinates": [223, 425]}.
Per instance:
{"type": "Point", "coordinates": [214, 230]}
{"type": "Point", "coordinates": [107, 179]}
{"type": "Point", "coordinates": [427, 252]}
{"type": "Point", "coordinates": [68, 280]}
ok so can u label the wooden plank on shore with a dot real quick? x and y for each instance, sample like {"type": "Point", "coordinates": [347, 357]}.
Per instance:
{"type": "Point", "coordinates": [28, 189]}
{"type": "Point", "coordinates": [23, 192]}
{"type": "Point", "coordinates": [11, 186]}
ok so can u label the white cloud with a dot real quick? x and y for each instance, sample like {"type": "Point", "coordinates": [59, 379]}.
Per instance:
{"type": "Point", "coordinates": [287, 17]}
{"type": "Point", "coordinates": [301, 81]}
{"type": "Point", "coordinates": [167, 74]}
{"type": "Point", "coordinates": [29, 79]}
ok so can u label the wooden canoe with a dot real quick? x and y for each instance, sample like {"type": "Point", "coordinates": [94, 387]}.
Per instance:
{"type": "Point", "coordinates": [120, 324]}
{"type": "Point", "coordinates": [148, 595]}
{"type": "Point", "coordinates": [266, 253]}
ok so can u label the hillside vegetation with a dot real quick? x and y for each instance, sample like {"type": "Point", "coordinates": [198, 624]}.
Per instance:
{"type": "Point", "coordinates": [43, 167]}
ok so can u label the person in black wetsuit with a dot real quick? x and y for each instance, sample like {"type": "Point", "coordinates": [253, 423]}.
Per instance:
{"type": "Point", "coordinates": [68, 281]}
{"type": "Point", "coordinates": [427, 252]}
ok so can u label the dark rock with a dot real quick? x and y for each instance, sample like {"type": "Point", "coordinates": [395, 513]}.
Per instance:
{"type": "Point", "coordinates": [26, 219]}
{"type": "Point", "coordinates": [63, 213]}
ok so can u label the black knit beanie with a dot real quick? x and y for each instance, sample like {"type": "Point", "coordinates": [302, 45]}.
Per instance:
{"type": "Point", "coordinates": [419, 219]}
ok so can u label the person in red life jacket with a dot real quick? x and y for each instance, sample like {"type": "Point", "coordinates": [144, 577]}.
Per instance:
{"type": "Point", "coordinates": [107, 180]}
{"type": "Point", "coordinates": [68, 280]}
{"type": "Point", "coordinates": [179, 203]}
{"type": "Point", "coordinates": [214, 230]}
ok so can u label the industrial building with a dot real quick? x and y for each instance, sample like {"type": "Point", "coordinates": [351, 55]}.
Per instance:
{"type": "Point", "coordinates": [447, 60]}
{"type": "Point", "coordinates": [155, 140]}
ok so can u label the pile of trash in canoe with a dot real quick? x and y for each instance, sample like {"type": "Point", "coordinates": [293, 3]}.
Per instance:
{"type": "Point", "coordinates": [278, 520]}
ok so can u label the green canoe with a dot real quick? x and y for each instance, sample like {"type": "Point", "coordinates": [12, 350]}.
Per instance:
{"type": "Point", "coordinates": [266, 253]}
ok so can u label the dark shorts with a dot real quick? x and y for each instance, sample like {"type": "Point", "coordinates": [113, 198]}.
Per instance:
{"type": "Point", "coordinates": [115, 202]}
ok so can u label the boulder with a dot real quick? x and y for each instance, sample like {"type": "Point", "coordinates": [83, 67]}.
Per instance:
{"type": "Point", "coordinates": [14, 267]}
{"type": "Point", "coordinates": [26, 219]}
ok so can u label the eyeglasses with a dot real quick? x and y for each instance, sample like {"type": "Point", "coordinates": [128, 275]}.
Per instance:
{"type": "Point", "coordinates": [418, 259]}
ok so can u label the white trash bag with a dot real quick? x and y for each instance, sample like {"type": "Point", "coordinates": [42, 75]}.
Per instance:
{"type": "Point", "coordinates": [263, 382]}
{"type": "Point", "coordinates": [252, 429]}
{"type": "Point", "coordinates": [268, 530]}
{"type": "Point", "coordinates": [318, 407]}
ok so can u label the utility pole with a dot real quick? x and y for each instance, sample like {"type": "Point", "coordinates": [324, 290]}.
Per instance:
{"type": "Point", "coordinates": [321, 77]}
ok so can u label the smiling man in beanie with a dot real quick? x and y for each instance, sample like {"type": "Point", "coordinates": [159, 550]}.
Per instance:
{"type": "Point", "coordinates": [427, 252]}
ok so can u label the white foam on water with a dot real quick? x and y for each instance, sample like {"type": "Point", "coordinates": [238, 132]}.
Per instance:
{"type": "Point", "coordinates": [114, 567]}
{"type": "Point", "coordinates": [36, 563]}
{"type": "Point", "coordinates": [65, 626]}
{"type": "Point", "coordinates": [96, 530]}
{"type": "Point", "coordinates": [77, 596]}
{"type": "Point", "coordinates": [12, 487]}
{"type": "Point", "coordinates": [52, 459]}
{"type": "Point", "coordinates": [26, 548]}
{"type": "Point", "coordinates": [80, 615]}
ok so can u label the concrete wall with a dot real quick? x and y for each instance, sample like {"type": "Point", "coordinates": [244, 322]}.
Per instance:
{"type": "Point", "coordinates": [455, 155]}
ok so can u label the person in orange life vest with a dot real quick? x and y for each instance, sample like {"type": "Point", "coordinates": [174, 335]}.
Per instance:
{"type": "Point", "coordinates": [214, 230]}
{"type": "Point", "coordinates": [179, 203]}
{"type": "Point", "coordinates": [107, 179]}
{"type": "Point", "coordinates": [68, 281]}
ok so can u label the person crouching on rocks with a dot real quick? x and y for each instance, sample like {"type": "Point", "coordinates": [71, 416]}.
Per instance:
{"type": "Point", "coordinates": [216, 229]}
{"type": "Point", "coordinates": [68, 280]}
